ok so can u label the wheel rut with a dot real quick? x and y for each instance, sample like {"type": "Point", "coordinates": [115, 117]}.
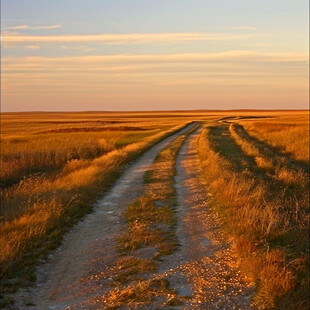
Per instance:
{"type": "Point", "coordinates": [204, 268]}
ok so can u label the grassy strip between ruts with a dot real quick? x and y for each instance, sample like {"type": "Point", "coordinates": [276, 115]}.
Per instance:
{"type": "Point", "coordinates": [268, 226]}
{"type": "Point", "coordinates": [150, 231]}
{"type": "Point", "coordinates": [63, 202]}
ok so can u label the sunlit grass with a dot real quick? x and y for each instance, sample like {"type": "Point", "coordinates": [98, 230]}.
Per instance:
{"type": "Point", "coordinates": [287, 134]}
{"type": "Point", "coordinates": [273, 163]}
{"type": "Point", "coordinates": [24, 154]}
{"type": "Point", "coordinates": [37, 210]}
{"type": "Point", "coordinates": [267, 220]}
{"type": "Point", "coordinates": [49, 181]}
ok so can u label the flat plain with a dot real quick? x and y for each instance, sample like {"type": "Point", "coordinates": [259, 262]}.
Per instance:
{"type": "Point", "coordinates": [195, 209]}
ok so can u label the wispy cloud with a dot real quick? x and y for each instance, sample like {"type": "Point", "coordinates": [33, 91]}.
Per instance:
{"type": "Point", "coordinates": [156, 77]}
{"type": "Point", "coordinates": [127, 38]}
{"type": "Point", "coordinates": [28, 27]}
{"type": "Point", "coordinates": [133, 63]}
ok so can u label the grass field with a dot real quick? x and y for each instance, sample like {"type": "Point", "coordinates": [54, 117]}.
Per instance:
{"type": "Point", "coordinates": [265, 204]}
{"type": "Point", "coordinates": [51, 176]}
{"type": "Point", "coordinates": [54, 166]}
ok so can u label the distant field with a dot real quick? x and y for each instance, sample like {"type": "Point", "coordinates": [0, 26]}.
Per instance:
{"type": "Point", "coordinates": [256, 164]}
{"type": "Point", "coordinates": [43, 146]}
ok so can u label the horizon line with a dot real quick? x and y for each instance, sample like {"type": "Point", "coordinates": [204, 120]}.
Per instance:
{"type": "Point", "coordinates": [156, 111]}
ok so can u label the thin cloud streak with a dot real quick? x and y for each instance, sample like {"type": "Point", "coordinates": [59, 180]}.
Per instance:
{"type": "Point", "coordinates": [240, 68]}
{"type": "Point", "coordinates": [127, 38]}
{"type": "Point", "coordinates": [229, 56]}
{"type": "Point", "coordinates": [27, 27]}
{"type": "Point", "coordinates": [234, 73]}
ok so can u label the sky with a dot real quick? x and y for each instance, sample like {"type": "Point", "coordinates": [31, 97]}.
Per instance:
{"type": "Point", "coordinates": [114, 55]}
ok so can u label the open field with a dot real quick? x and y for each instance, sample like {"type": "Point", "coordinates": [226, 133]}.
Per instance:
{"type": "Point", "coordinates": [254, 170]}
{"type": "Point", "coordinates": [49, 179]}
{"type": "Point", "coordinates": [265, 206]}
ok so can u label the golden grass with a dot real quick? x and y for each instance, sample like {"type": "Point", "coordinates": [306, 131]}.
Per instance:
{"type": "Point", "coordinates": [268, 224]}
{"type": "Point", "coordinates": [149, 224]}
{"type": "Point", "coordinates": [287, 134]}
{"type": "Point", "coordinates": [250, 149]}
{"type": "Point", "coordinates": [24, 154]}
{"type": "Point", "coordinates": [128, 268]}
{"type": "Point", "coordinates": [138, 293]}
{"type": "Point", "coordinates": [39, 209]}
{"type": "Point", "coordinates": [273, 163]}
{"type": "Point", "coordinates": [50, 179]}
{"type": "Point", "coordinates": [44, 142]}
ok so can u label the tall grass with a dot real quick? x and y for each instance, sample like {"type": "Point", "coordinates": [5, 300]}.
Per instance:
{"type": "Point", "coordinates": [28, 154]}
{"type": "Point", "coordinates": [269, 228]}
{"type": "Point", "coordinates": [290, 136]}
{"type": "Point", "coordinates": [43, 143]}
{"type": "Point", "coordinates": [274, 164]}
{"type": "Point", "coordinates": [38, 211]}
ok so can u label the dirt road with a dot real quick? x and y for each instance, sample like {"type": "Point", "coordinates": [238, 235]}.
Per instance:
{"type": "Point", "coordinates": [64, 279]}
{"type": "Point", "coordinates": [202, 268]}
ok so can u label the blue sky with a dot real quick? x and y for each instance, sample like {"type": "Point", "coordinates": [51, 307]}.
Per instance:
{"type": "Point", "coordinates": [58, 55]}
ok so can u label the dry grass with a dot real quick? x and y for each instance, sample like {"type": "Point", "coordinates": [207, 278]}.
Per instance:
{"type": "Point", "coordinates": [269, 223]}
{"type": "Point", "coordinates": [151, 217]}
{"type": "Point", "coordinates": [151, 224]}
{"type": "Point", "coordinates": [128, 268]}
{"type": "Point", "coordinates": [39, 209]}
{"type": "Point", "coordinates": [137, 293]}
{"type": "Point", "coordinates": [276, 165]}
{"type": "Point", "coordinates": [288, 134]}
{"type": "Point", "coordinates": [24, 153]}
{"type": "Point", "coordinates": [55, 164]}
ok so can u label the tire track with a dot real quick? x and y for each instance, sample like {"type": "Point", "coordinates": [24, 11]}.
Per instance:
{"type": "Point", "coordinates": [205, 268]}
